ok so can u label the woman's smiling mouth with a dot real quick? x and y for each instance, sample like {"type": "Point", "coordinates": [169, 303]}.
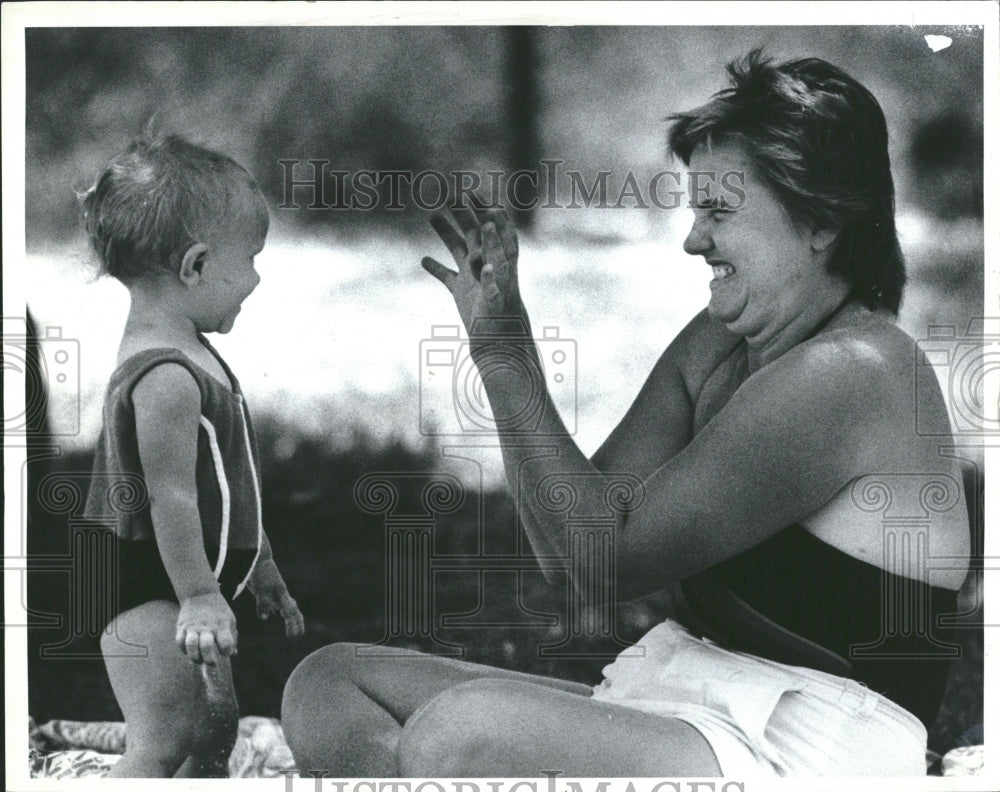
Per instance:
{"type": "Point", "coordinates": [721, 269]}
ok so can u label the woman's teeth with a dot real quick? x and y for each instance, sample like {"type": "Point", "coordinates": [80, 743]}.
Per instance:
{"type": "Point", "coordinates": [720, 271]}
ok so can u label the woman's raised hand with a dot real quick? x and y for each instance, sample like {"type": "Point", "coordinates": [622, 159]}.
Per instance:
{"type": "Point", "coordinates": [484, 246]}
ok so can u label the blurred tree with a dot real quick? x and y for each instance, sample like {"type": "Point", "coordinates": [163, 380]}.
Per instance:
{"type": "Point", "coordinates": [947, 156]}
{"type": "Point", "coordinates": [523, 107]}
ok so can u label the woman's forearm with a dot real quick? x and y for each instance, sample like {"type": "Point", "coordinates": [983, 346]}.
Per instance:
{"type": "Point", "coordinates": [550, 477]}
{"type": "Point", "coordinates": [555, 486]}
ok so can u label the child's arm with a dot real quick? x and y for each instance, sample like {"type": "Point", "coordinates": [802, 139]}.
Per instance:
{"type": "Point", "coordinates": [269, 588]}
{"type": "Point", "coordinates": [167, 407]}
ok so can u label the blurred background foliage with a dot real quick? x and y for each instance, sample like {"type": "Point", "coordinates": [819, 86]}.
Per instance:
{"type": "Point", "coordinates": [454, 98]}
{"type": "Point", "coordinates": [449, 99]}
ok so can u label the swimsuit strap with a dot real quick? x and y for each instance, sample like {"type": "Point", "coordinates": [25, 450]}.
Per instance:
{"type": "Point", "coordinates": [233, 382]}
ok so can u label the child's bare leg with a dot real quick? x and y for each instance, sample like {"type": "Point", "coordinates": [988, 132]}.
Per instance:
{"type": "Point", "coordinates": [170, 711]}
{"type": "Point", "coordinates": [204, 767]}
{"type": "Point", "coordinates": [218, 724]}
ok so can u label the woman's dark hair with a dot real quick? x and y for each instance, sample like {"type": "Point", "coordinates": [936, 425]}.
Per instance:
{"type": "Point", "coordinates": [819, 140]}
{"type": "Point", "coordinates": [160, 196]}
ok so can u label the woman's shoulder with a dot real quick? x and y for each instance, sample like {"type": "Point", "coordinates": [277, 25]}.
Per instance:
{"type": "Point", "coordinates": [871, 372]}
{"type": "Point", "coordinates": [864, 346]}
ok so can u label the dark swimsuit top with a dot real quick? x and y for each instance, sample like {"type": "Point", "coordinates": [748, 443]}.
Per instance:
{"type": "Point", "coordinates": [798, 600]}
{"type": "Point", "coordinates": [885, 626]}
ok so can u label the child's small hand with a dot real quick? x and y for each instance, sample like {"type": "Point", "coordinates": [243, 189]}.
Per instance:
{"type": "Point", "coordinates": [272, 596]}
{"type": "Point", "coordinates": [269, 602]}
{"type": "Point", "coordinates": [206, 628]}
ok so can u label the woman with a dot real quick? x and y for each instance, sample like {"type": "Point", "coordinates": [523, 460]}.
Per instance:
{"type": "Point", "coordinates": [763, 439]}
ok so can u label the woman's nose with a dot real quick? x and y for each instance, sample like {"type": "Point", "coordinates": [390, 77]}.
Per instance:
{"type": "Point", "coordinates": [698, 241]}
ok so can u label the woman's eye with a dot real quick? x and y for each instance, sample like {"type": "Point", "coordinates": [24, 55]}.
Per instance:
{"type": "Point", "coordinates": [715, 205]}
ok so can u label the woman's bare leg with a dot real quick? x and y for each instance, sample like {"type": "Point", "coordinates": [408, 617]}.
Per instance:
{"type": "Point", "coordinates": [345, 705]}
{"type": "Point", "coordinates": [494, 728]}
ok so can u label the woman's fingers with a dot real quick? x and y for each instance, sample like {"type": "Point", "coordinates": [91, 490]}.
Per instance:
{"type": "Point", "coordinates": [489, 282]}
{"type": "Point", "coordinates": [439, 271]}
{"type": "Point", "coordinates": [461, 233]}
{"type": "Point", "coordinates": [477, 237]}
{"type": "Point", "coordinates": [469, 223]}
{"type": "Point", "coordinates": [495, 262]}
{"type": "Point", "coordinates": [496, 215]}
{"type": "Point", "coordinates": [506, 230]}
{"type": "Point", "coordinates": [453, 240]}
{"type": "Point", "coordinates": [466, 218]}
{"type": "Point", "coordinates": [493, 252]}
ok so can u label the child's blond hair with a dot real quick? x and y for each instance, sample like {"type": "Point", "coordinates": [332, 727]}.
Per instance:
{"type": "Point", "coordinates": [160, 196]}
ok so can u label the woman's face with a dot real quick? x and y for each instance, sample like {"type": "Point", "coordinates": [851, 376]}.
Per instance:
{"type": "Point", "coordinates": [765, 271]}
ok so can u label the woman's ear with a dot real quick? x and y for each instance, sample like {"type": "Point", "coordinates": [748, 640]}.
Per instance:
{"type": "Point", "coordinates": [822, 238]}
{"type": "Point", "coordinates": [192, 262]}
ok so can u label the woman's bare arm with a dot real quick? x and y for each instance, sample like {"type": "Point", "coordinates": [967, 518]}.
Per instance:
{"type": "Point", "coordinates": [791, 437]}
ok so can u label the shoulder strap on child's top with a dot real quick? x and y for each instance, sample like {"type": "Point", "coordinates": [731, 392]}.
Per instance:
{"type": "Point", "coordinates": [233, 381]}
{"type": "Point", "coordinates": [129, 373]}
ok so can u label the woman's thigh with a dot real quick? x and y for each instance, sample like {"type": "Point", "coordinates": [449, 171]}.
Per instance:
{"type": "Point", "coordinates": [506, 727]}
{"type": "Point", "coordinates": [398, 680]}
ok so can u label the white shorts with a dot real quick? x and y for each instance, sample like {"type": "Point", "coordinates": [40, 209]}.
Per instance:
{"type": "Point", "coordinates": [764, 718]}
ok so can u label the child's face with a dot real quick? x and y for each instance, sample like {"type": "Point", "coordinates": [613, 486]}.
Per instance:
{"type": "Point", "coordinates": [229, 276]}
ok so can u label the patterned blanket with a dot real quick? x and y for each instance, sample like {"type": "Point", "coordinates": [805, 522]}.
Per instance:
{"type": "Point", "coordinates": [73, 749]}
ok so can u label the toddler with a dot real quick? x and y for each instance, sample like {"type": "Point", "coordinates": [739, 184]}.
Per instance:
{"type": "Point", "coordinates": [179, 226]}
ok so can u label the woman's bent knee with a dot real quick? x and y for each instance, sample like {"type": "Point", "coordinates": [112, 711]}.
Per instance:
{"type": "Point", "coordinates": [310, 698]}
{"type": "Point", "coordinates": [460, 729]}
{"type": "Point", "coordinates": [333, 661]}
{"type": "Point", "coordinates": [315, 675]}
